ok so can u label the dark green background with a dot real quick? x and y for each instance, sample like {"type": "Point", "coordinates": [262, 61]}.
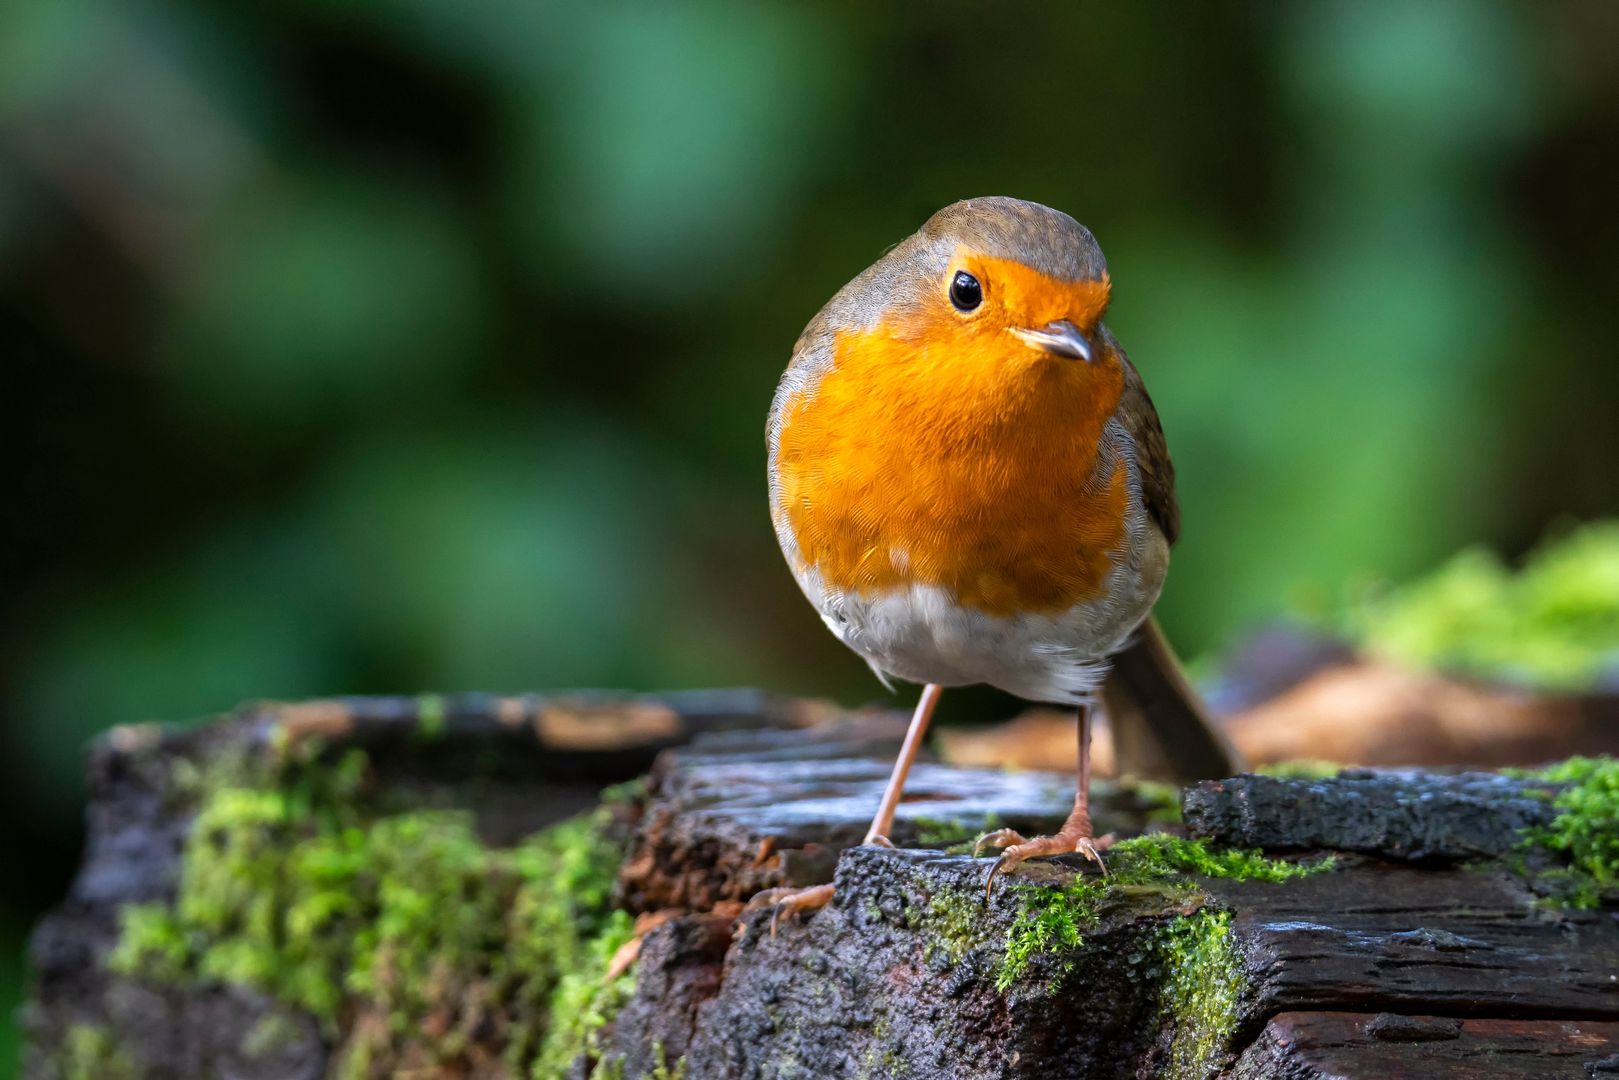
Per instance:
{"type": "Point", "coordinates": [420, 345]}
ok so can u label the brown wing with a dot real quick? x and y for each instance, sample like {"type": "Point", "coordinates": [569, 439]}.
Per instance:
{"type": "Point", "coordinates": [1140, 419]}
{"type": "Point", "coordinates": [1161, 728]}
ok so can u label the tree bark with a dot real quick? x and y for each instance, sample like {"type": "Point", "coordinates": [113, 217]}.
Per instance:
{"type": "Point", "coordinates": [1426, 950]}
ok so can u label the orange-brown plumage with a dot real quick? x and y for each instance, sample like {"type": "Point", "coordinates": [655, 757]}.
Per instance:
{"type": "Point", "coordinates": [915, 458]}
{"type": "Point", "coordinates": [971, 485]}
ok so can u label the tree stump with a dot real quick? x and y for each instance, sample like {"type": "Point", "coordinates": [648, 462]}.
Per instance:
{"type": "Point", "coordinates": [388, 887]}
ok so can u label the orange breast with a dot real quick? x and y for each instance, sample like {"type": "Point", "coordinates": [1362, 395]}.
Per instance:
{"type": "Point", "coordinates": [967, 462]}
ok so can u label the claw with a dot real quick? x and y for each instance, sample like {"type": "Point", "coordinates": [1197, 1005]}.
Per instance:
{"type": "Point", "coordinates": [790, 900]}
{"type": "Point", "coordinates": [989, 885]}
{"type": "Point", "coordinates": [1041, 846]}
{"type": "Point", "coordinates": [1001, 838]}
{"type": "Point", "coordinates": [764, 898]}
{"type": "Point", "coordinates": [626, 955]}
{"type": "Point", "coordinates": [1088, 848]}
{"type": "Point", "coordinates": [630, 951]}
{"type": "Point", "coordinates": [879, 840]}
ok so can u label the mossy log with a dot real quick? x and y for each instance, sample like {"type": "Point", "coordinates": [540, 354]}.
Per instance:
{"type": "Point", "coordinates": [406, 887]}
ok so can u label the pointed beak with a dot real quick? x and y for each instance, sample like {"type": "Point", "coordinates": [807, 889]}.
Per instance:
{"type": "Point", "coordinates": [1061, 337]}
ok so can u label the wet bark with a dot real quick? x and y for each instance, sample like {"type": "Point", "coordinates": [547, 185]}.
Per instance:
{"type": "Point", "coordinates": [1422, 953]}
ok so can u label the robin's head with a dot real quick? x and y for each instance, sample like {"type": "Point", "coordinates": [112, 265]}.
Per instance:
{"type": "Point", "coordinates": [997, 279]}
{"type": "Point", "coordinates": [937, 394]}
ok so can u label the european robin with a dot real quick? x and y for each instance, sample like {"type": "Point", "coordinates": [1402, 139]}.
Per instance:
{"type": "Point", "coordinates": [971, 485]}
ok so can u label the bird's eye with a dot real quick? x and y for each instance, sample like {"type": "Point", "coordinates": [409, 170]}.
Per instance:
{"type": "Point", "coordinates": [965, 292]}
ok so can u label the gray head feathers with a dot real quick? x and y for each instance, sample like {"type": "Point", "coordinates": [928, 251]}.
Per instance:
{"type": "Point", "coordinates": [911, 274]}
{"type": "Point", "coordinates": [1037, 236]}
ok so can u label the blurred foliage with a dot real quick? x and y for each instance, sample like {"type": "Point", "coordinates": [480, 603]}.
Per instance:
{"type": "Point", "coordinates": [414, 345]}
{"type": "Point", "coordinates": [1554, 623]}
{"type": "Point", "coordinates": [11, 983]}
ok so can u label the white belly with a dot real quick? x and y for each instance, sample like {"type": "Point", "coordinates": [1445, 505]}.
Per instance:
{"type": "Point", "coordinates": [922, 635]}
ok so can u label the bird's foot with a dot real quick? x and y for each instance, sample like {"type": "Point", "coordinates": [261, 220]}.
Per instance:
{"type": "Point", "coordinates": [630, 951]}
{"type": "Point", "coordinates": [1016, 849]}
{"type": "Point", "coordinates": [878, 839]}
{"type": "Point", "coordinates": [788, 901]}
{"type": "Point", "coordinates": [1000, 838]}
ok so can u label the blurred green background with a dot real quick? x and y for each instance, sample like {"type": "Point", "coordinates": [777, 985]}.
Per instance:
{"type": "Point", "coordinates": [408, 345]}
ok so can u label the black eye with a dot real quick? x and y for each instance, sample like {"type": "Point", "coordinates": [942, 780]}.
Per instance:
{"type": "Point", "coordinates": [965, 292]}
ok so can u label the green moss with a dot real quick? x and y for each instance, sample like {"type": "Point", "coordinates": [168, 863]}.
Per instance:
{"type": "Point", "coordinates": [430, 716]}
{"type": "Point", "coordinates": [882, 1056]}
{"type": "Point", "coordinates": [1188, 962]}
{"type": "Point", "coordinates": [1200, 989]}
{"type": "Point", "coordinates": [1054, 920]}
{"type": "Point", "coordinates": [298, 889]}
{"type": "Point", "coordinates": [584, 1001]}
{"type": "Point", "coordinates": [661, 1069]}
{"type": "Point", "coordinates": [948, 832]}
{"type": "Point", "coordinates": [1159, 855]}
{"type": "Point", "coordinates": [1555, 623]}
{"type": "Point", "coordinates": [953, 925]}
{"type": "Point", "coordinates": [1585, 833]}
{"type": "Point", "coordinates": [1301, 769]}
{"type": "Point", "coordinates": [625, 793]}
{"type": "Point", "coordinates": [1049, 921]}
{"type": "Point", "coordinates": [90, 1053]}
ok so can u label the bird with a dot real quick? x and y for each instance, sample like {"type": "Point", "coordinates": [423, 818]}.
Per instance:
{"type": "Point", "coordinates": [971, 485]}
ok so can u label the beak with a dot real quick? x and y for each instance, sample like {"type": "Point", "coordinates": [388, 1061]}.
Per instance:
{"type": "Point", "coordinates": [1061, 337]}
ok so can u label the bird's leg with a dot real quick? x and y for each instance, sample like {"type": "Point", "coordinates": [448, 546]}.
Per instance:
{"type": "Point", "coordinates": [1076, 833]}
{"type": "Point", "coordinates": [817, 896]}
{"type": "Point", "coordinates": [883, 823]}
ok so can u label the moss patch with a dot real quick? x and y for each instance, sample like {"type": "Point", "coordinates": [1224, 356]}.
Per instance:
{"type": "Point", "coordinates": [1585, 833]}
{"type": "Point", "coordinates": [90, 1053]}
{"type": "Point", "coordinates": [953, 926]}
{"type": "Point", "coordinates": [1201, 986]}
{"type": "Point", "coordinates": [949, 833]}
{"type": "Point", "coordinates": [584, 1002]}
{"type": "Point", "coordinates": [1161, 855]}
{"type": "Point", "coordinates": [1054, 920]}
{"type": "Point", "coordinates": [430, 717]}
{"type": "Point", "coordinates": [662, 1069]}
{"type": "Point", "coordinates": [1301, 769]}
{"type": "Point", "coordinates": [1187, 963]}
{"type": "Point", "coordinates": [404, 930]}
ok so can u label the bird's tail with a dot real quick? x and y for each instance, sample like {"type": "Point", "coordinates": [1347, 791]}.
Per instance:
{"type": "Point", "coordinates": [1160, 727]}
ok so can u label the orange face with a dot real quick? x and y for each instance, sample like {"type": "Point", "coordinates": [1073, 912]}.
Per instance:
{"type": "Point", "coordinates": [946, 449]}
{"type": "Point", "coordinates": [1014, 298]}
